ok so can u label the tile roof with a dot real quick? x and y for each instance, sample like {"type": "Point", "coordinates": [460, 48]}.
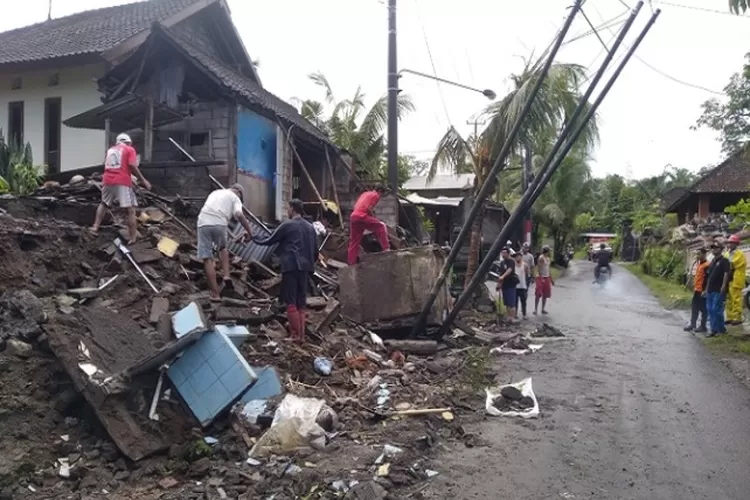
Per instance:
{"type": "Point", "coordinates": [245, 88]}
{"type": "Point", "coordinates": [89, 32]}
{"type": "Point", "coordinates": [731, 176]}
{"type": "Point", "coordinates": [440, 182]}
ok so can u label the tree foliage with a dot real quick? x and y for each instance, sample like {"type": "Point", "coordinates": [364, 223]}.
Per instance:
{"type": "Point", "coordinates": [18, 174]}
{"type": "Point", "coordinates": [353, 126]}
{"type": "Point", "coordinates": [730, 116]}
{"type": "Point", "coordinates": [738, 6]}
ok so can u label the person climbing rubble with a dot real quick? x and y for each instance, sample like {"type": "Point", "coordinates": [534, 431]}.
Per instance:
{"type": "Point", "coordinates": [120, 164]}
{"type": "Point", "coordinates": [736, 282]}
{"type": "Point", "coordinates": [362, 219]}
{"type": "Point", "coordinates": [298, 251]}
{"type": "Point", "coordinates": [213, 221]}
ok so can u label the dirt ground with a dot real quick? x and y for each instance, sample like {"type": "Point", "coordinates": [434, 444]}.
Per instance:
{"type": "Point", "coordinates": [632, 407]}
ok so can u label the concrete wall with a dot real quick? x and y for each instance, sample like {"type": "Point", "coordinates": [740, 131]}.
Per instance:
{"type": "Point", "coordinates": [256, 162]}
{"type": "Point", "coordinates": [78, 92]}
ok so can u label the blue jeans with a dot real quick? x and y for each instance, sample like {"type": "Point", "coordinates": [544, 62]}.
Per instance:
{"type": "Point", "coordinates": [715, 305]}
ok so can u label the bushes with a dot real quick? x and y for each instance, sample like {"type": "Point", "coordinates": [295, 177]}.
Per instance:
{"type": "Point", "coordinates": [18, 174]}
{"type": "Point", "coordinates": [664, 262]}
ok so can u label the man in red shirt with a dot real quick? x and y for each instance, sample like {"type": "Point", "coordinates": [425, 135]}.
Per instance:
{"type": "Point", "coordinates": [117, 184]}
{"type": "Point", "coordinates": [362, 219]}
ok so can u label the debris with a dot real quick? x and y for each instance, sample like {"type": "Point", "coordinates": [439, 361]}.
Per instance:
{"type": "Point", "coordinates": [547, 330]}
{"type": "Point", "coordinates": [210, 440]}
{"type": "Point", "coordinates": [389, 451]}
{"type": "Point", "coordinates": [431, 473]}
{"type": "Point", "coordinates": [237, 334]}
{"type": "Point", "coordinates": [498, 405]}
{"type": "Point", "coordinates": [167, 246]}
{"type": "Point", "coordinates": [316, 302]}
{"type": "Point", "coordinates": [321, 320]}
{"type": "Point", "coordinates": [384, 470]}
{"type": "Point", "coordinates": [159, 307]}
{"type": "Point", "coordinates": [19, 348]}
{"type": "Point", "coordinates": [420, 347]}
{"type": "Point", "coordinates": [188, 320]}
{"type": "Point", "coordinates": [64, 470]}
{"type": "Point", "coordinates": [168, 483]}
{"type": "Point", "coordinates": [84, 293]}
{"type": "Point", "coordinates": [243, 316]}
{"type": "Point", "coordinates": [323, 366]}
{"type": "Point", "coordinates": [447, 416]}
{"type": "Point", "coordinates": [129, 256]}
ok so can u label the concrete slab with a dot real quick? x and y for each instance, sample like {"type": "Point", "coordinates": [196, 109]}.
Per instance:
{"type": "Point", "coordinates": [391, 285]}
{"type": "Point", "coordinates": [189, 319]}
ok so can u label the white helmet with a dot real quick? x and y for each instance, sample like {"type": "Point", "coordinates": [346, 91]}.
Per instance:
{"type": "Point", "coordinates": [124, 138]}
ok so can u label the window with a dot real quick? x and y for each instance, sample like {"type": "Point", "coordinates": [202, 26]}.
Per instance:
{"type": "Point", "coordinates": [15, 123]}
{"type": "Point", "coordinates": [52, 129]}
{"type": "Point", "coordinates": [198, 139]}
{"type": "Point", "coordinates": [16, 83]}
{"type": "Point", "coordinates": [54, 80]}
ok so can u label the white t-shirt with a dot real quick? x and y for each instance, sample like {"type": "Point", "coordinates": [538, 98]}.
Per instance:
{"type": "Point", "coordinates": [521, 273]}
{"type": "Point", "coordinates": [220, 207]}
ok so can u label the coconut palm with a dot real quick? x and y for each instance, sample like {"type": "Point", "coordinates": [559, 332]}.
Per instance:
{"type": "Point", "coordinates": [557, 98]}
{"type": "Point", "coordinates": [738, 6]}
{"type": "Point", "coordinates": [352, 126]}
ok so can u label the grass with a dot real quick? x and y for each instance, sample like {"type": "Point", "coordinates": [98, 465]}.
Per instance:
{"type": "Point", "coordinates": [670, 295]}
{"type": "Point", "coordinates": [733, 342]}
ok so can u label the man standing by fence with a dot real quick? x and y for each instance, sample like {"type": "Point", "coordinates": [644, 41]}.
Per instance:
{"type": "Point", "coordinates": [698, 306]}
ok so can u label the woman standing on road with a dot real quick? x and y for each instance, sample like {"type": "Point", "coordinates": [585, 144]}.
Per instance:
{"type": "Point", "coordinates": [524, 277]}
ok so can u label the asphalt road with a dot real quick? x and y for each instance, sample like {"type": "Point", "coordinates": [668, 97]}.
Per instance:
{"type": "Point", "coordinates": [632, 408]}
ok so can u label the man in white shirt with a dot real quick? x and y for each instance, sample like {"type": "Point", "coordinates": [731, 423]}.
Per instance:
{"type": "Point", "coordinates": [213, 222]}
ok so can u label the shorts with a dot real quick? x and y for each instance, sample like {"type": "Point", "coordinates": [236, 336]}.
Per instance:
{"type": "Point", "coordinates": [509, 297]}
{"type": "Point", "coordinates": [294, 288]}
{"type": "Point", "coordinates": [543, 288]}
{"type": "Point", "coordinates": [124, 196]}
{"type": "Point", "coordinates": [208, 237]}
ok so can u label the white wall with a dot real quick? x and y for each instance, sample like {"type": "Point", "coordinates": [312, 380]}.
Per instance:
{"type": "Point", "coordinates": [78, 92]}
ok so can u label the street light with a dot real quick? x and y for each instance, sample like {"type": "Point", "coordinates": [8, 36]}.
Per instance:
{"type": "Point", "coordinates": [393, 120]}
{"type": "Point", "coordinates": [489, 94]}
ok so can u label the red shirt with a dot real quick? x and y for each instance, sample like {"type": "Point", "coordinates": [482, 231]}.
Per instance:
{"type": "Point", "coordinates": [366, 202]}
{"type": "Point", "coordinates": [120, 158]}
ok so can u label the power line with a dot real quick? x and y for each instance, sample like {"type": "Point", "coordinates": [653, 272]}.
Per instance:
{"type": "Point", "coordinates": [699, 9]}
{"type": "Point", "coordinates": [660, 72]}
{"type": "Point", "coordinates": [432, 63]}
{"type": "Point", "coordinates": [612, 22]}
{"type": "Point", "coordinates": [594, 30]}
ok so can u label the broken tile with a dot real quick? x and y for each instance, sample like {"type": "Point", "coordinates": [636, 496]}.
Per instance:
{"type": "Point", "coordinates": [210, 375]}
{"type": "Point", "coordinates": [168, 246]}
{"type": "Point", "coordinates": [189, 319]}
{"type": "Point", "coordinates": [159, 306]}
{"type": "Point", "coordinates": [238, 334]}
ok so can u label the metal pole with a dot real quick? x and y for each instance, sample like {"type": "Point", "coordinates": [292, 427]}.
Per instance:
{"type": "Point", "coordinates": [526, 181]}
{"type": "Point", "coordinates": [392, 98]}
{"type": "Point", "coordinates": [489, 183]}
{"type": "Point", "coordinates": [531, 196]}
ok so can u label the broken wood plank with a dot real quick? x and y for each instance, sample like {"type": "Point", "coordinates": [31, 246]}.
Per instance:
{"type": "Point", "coordinates": [159, 307]}
{"type": "Point", "coordinates": [320, 320]}
{"type": "Point", "coordinates": [243, 315]}
{"type": "Point", "coordinates": [316, 302]}
{"type": "Point", "coordinates": [146, 255]}
{"type": "Point", "coordinates": [264, 269]}
{"type": "Point", "coordinates": [419, 347]}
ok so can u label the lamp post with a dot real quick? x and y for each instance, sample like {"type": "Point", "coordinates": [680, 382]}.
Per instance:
{"type": "Point", "coordinates": [393, 91]}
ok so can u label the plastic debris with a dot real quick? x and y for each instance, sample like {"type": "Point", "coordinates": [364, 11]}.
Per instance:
{"type": "Point", "coordinates": [526, 391]}
{"type": "Point", "coordinates": [389, 451]}
{"type": "Point", "coordinates": [323, 366]}
{"type": "Point", "coordinates": [210, 440]}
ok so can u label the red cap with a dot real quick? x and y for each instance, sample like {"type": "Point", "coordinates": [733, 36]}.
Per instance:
{"type": "Point", "coordinates": [734, 239]}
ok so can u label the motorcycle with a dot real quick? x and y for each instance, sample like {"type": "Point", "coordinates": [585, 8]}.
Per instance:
{"type": "Point", "coordinates": [604, 276]}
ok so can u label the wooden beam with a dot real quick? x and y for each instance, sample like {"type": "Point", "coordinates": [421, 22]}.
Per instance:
{"type": "Point", "coordinates": [148, 130]}
{"type": "Point", "coordinates": [304, 169]}
{"type": "Point", "coordinates": [333, 184]}
{"type": "Point", "coordinates": [107, 133]}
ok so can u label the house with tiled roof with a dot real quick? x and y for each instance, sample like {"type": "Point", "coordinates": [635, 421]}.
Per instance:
{"type": "Point", "coordinates": [720, 187]}
{"type": "Point", "coordinates": [176, 76]}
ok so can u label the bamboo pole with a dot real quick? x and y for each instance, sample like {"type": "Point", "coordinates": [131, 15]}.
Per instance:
{"type": "Point", "coordinates": [333, 186]}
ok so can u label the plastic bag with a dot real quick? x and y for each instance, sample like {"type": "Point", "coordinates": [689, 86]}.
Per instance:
{"type": "Point", "coordinates": [508, 350]}
{"type": "Point", "coordinates": [306, 409]}
{"type": "Point", "coordinates": [288, 436]}
{"type": "Point", "coordinates": [526, 390]}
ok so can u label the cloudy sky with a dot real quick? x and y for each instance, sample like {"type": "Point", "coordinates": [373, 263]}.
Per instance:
{"type": "Point", "coordinates": [692, 50]}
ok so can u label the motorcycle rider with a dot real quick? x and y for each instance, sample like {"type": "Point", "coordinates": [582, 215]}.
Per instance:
{"type": "Point", "coordinates": [603, 258]}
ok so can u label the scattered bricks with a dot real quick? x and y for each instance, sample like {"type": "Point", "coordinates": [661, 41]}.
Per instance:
{"type": "Point", "coordinates": [159, 307]}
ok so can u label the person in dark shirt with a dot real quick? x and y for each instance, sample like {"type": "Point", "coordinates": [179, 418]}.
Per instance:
{"type": "Point", "coordinates": [298, 251]}
{"type": "Point", "coordinates": [507, 282]}
{"type": "Point", "coordinates": [603, 258]}
{"type": "Point", "coordinates": [716, 290]}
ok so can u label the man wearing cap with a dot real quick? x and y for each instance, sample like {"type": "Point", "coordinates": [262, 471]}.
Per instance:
{"type": "Point", "coordinates": [737, 281]}
{"type": "Point", "coordinates": [117, 184]}
{"type": "Point", "coordinates": [716, 290]}
{"type": "Point", "coordinates": [213, 221]}
{"type": "Point", "coordinates": [298, 251]}
{"type": "Point", "coordinates": [528, 259]}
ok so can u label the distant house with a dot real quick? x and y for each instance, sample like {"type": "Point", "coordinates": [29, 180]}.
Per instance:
{"type": "Point", "coordinates": [441, 185]}
{"type": "Point", "coordinates": [177, 77]}
{"type": "Point", "coordinates": [719, 188]}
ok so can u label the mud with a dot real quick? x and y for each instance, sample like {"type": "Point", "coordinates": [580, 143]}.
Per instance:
{"type": "Point", "coordinates": [631, 406]}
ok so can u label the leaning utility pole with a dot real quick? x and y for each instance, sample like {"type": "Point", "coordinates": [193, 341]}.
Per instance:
{"type": "Point", "coordinates": [392, 97]}
{"type": "Point", "coordinates": [526, 182]}
{"type": "Point", "coordinates": [562, 147]}
{"type": "Point", "coordinates": [489, 183]}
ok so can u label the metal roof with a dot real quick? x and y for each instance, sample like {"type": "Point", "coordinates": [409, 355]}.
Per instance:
{"type": "Point", "coordinates": [250, 251]}
{"type": "Point", "coordinates": [440, 182]}
{"type": "Point", "coordinates": [440, 201]}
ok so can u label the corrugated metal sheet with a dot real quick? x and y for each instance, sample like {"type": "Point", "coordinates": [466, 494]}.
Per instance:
{"type": "Point", "coordinates": [250, 251]}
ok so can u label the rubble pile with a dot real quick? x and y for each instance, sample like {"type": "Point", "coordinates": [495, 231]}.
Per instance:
{"type": "Point", "coordinates": [121, 384]}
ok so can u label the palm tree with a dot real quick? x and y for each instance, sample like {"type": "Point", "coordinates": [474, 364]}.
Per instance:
{"type": "Point", "coordinates": [738, 6]}
{"type": "Point", "coordinates": [557, 98]}
{"type": "Point", "coordinates": [351, 126]}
